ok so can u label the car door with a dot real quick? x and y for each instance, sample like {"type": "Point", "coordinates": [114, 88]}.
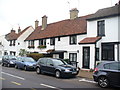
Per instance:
{"type": "Point", "coordinates": [6, 59]}
{"type": "Point", "coordinates": [18, 62]}
{"type": "Point", "coordinates": [22, 63]}
{"type": "Point", "coordinates": [119, 74]}
{"type": "Point", "coordinates": [42, 64]}
{"type": "Point", "coordinates": [114, 73]}
{"type": "Point", "coordinates": [50, 66]}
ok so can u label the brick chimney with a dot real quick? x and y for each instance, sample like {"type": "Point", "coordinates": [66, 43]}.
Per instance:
{"type": "Point", "coordinates": [73, 13]}
{"type": "Point", "coordinates": [36, 23]}
{"type": "Point", "coordinates": [19, 30]}
{"type": "Point", "coordinates": [44, 22]}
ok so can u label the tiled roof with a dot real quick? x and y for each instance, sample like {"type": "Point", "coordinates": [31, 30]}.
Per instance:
{"type": "Point", "coordinates": [13, 36]}
{"type": "Point", "coordinates": [61, 28]}
{"type": "Point", "coordinates": [106, 12]}
{"type": "Point", "coordinates": [89, 40]}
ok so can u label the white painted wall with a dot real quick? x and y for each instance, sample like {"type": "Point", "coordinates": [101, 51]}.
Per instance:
{"type": "Point", "coordinates": [36, 44]}
{"type": "Point", "coordinates": [92, 55]}
{"type": "Point", "coordinates": [111, 29]}
{"type": "Point", "coordinates": [5, 44]}
{"type": "Point", "coordinates": [21, 39]}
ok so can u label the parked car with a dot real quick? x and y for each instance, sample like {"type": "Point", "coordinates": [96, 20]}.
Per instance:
{"type": "Point", "coordinates": [25, 63]}
{"type": "Point", "coordinates": [0, 59]}
{"type": "Point", "coordinates": [57, 67]}
{"type": "Point", "coordinates": [107, 74]}
{"type": "Point", "coordinates": [8, 60]}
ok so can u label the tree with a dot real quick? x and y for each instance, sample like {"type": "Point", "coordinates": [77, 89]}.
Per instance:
{"type": "Point", "coordinates": [22, 52]}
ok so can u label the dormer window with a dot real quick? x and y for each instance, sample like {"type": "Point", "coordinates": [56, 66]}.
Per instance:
{"type": "Point", "coordinates": [101, 28]}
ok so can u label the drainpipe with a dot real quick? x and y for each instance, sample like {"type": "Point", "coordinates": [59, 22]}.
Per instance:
{"type": "Point", "coordinates": [95, 56]}
{"type": "Point", "coordinates": [118, 52]}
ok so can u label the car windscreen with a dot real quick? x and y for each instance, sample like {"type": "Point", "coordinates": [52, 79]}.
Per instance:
{"type": "Point", "coordinates": [59, 62]}
{"type": "Point", "coordinates": [12, 57]}
{"type": "Point", "coordinates": [29, 59]}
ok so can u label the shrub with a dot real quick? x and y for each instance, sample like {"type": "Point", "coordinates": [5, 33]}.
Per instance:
{"type": "Point", "coordinates": [35, 56]}
{"type": "Point", "coordinates": [66, 60]}
{"type": "Point", "coordinates": [41, 46]}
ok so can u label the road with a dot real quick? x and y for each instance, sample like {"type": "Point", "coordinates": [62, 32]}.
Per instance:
{"type": "Point", "coordinates": [16, 78]}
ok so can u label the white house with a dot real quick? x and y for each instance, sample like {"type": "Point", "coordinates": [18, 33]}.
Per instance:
{"type": "Point", "coordinates": [60, 39]}
{"type": "Point", "coordinates": [103, 37]}
{"type": "Point", "coordinates": [86, 40]}
{"type": "Point", "coordinates": [16, 40]}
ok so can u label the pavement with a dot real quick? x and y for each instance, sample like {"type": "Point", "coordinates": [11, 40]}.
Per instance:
{"type": "Point", "coordinates": [85, 74]}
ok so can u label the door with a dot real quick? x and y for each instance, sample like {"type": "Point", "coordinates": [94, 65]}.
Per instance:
{"type": "Point", "coordinates": [86, 57]}
{"type": "Point", "coordinates": [50, 66]}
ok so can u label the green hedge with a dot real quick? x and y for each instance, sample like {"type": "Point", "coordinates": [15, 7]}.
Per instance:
{"type": "Point", "coordinates": [35, 56]}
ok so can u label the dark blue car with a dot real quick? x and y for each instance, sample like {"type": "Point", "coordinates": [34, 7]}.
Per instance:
{"type": "Point", "coordinates": [26, 63]}
{"type": "Point", "coordinates": [8, 60]}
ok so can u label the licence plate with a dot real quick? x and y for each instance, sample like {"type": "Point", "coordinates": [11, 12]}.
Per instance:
{"type": "Point", "coordinates": [74, 72]}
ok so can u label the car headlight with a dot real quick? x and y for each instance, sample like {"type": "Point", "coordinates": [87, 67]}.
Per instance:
{"type": "Point", "coordinates": [11, 62]}
{"type": "Point", "coordinates": [67, 70]}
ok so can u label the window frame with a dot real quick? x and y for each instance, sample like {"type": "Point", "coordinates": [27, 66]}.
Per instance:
{"type": "Point", "coordinates": [101, 28]}
{"type": "Point", "coordinates": [73, 57]}
{"type": "Point", "coordinates": [52, 41]}
{"type": "Point", "coordinates": [42, 42]}
{"type": "Point", "coordinates": [73, 40]}
{"type": "Point", "coordinates": [106, 49]}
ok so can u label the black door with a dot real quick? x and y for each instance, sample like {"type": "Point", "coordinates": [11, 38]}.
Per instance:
{"type": "Point", "coordinates": [86, 57]}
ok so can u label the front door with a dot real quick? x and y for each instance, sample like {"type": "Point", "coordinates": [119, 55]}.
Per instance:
{"type": "Point", "coordinates": [86, 57]}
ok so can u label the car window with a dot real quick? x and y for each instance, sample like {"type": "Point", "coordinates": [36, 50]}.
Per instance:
{"type": "Point", "coordinates": [27, 59]}
{"type": "Point", "coordinates": [6, 57]}
{"type": "Point", "coordinates": [112, 66]}
{"type": "Point", "coordinates": [119, 66]}
{"type": "Point", "coordinates": [59, 62]}
{"type": "Point", "coordinates": [49, 62]}
{"type": "Point", "coordinates": [107, 66]}
{"type": "Point", "coordinates": [42, 61]}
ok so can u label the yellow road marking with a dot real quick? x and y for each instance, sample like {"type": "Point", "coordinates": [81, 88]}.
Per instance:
{"type": "Point", "coordinates": [15, 83]}
{"type": "Point", "coordinates": [33, 89]}
{"type": "Point", "coordinates": [2, 78]}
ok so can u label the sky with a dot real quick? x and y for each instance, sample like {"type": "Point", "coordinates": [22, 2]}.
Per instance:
{"type": "Point", "coordinates": [23, 13]}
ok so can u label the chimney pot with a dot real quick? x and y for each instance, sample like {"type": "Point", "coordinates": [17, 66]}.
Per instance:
{"type": "Point", "coordinates": [19, 30]}
{"type": "Point", "coordinates": [12, 30]}
{"type": "Point", "coordinates": [36, 23]}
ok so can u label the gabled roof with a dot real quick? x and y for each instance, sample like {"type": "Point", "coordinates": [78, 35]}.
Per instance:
{"type": "Point", "coordinates": [13, 35]}
{"type": "Point", "coordinates": [106, 12]}
{"type": "Point", "coordinates": [61, 28]}
{"type": "Point", "coordinates": [90, 40]}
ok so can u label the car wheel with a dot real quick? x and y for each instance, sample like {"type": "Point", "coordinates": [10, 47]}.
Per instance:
{"type": "Point", "coordinates": [25, 68]}
{"type": "Point", "coordinates": [38, 71]}
{"type": "Point", "coordinates": [16, 66]}
{"type": "Point", "coordinates": [103, 82]}
{"type": "Point", "coordinates": [58, 74]}
{"type": "Point", "coordinates": [2, 64]}
{"type": "Point", "coordinates": [8, 65]}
